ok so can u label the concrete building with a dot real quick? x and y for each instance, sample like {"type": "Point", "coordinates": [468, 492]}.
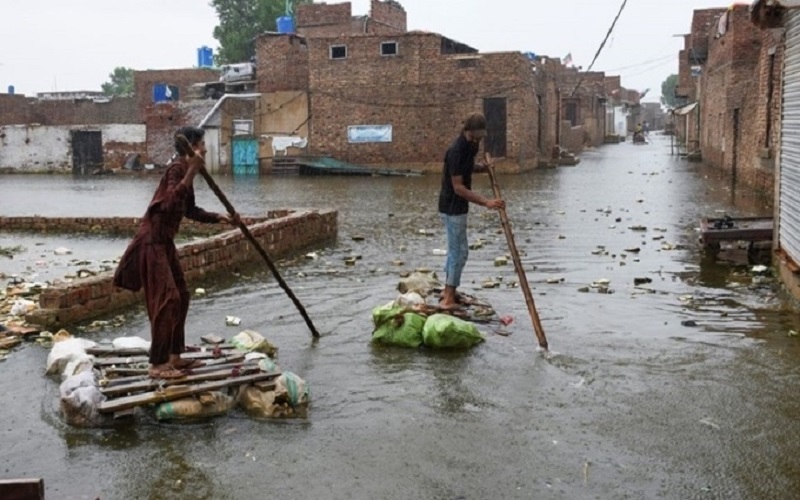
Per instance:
{"type": "Point", "coordinates": [77, 135]}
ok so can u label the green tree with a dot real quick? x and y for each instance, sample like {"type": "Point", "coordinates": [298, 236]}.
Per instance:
{"type": "Point", "coordinates": [668, 91]}
{"type": "Point", "coordinates": [241, 20]}
{"type": "Point", "coordinates": [120, 82]}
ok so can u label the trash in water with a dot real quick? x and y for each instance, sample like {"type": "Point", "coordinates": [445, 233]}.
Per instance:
{"type": "Point", "coordinates": [62, 251]}
{"type": "Point", "coordinates": [200, 292]}
{"type": "Point", "coordinates": [500, 261]}
{"type": "Point", "coordinates": [439, 252]}
{"type": "Point", "coordinates": [233, 321]}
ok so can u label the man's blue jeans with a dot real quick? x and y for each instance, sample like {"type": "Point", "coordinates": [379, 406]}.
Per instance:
{"type": "Point", "coordinates": [457, 247]}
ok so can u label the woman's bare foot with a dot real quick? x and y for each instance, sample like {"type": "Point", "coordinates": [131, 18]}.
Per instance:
{"type": "Point", "coordinates": [164, 371]}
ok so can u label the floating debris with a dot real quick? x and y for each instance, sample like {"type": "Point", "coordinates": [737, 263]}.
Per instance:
{"type": "Point", "coordinates": [500, 261]}
{"type": "Point", "coordinates": [233, 321]}
{"type": "Point", "coordinates": [439, 252]}
{"type": "Point", "coordinates": [357, 238]}
{"type": "Point", "coordinates": [200, 292]}
{"type": "Point", "coordinates": [62, 251]}
{"type": "Point", "coordinates": [638, 228]}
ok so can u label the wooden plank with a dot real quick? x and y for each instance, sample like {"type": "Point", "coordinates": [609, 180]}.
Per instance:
{"type": "Point", "coordinates": [744, 229]}
{"type": "Point", "coordinates": [22, 489]}
{"type": "Point", "coordinates": [144, 359]}
{"type": "Point", "coordinates": [147, 383]}
{"type": "Point", "coordinates": [177, 392]}
{"type": "Point", "coordinates": [138, 374]}
{"type": "Point", "coordinates": [138, 351]}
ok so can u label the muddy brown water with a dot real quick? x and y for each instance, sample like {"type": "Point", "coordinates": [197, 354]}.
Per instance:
{"type": "Point", "coordinates": [630, 403]}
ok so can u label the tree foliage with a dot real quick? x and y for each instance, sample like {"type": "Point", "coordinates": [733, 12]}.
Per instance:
{"type": "Point", "coordinates": [241, 20]}
{"type": "Point", "coordinates": [120, 82]}
{"type": "Point", "coordinates": [668, 91]}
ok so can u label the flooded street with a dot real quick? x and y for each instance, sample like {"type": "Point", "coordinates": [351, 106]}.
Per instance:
{"type": "Point", "coordinates": [631, 403]}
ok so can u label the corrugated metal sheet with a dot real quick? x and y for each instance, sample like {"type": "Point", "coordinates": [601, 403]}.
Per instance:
{"type": "Point", "coordinates": [790, 143]}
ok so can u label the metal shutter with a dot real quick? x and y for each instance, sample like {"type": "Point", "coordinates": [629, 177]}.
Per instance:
{"type": "Point", "coordinates": [790, 143]}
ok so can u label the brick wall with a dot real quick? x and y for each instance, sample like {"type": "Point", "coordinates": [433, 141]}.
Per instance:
{"type": "Point", "coordinates": [314, 14]}
{"type": "Point", "coordinates": [547, 93]}
{"type": "Point", "coordinates": [386, 17]}
{"type": "Point", "coordinates": [19, 110]}
{"type": "Point", "coordinates": [390, 15]}
{"type": "Point", "coordinates": [281, 62]}
{"type": "Point", "coordinates": [144, 81]}
{"type": "Point", "coordinates": [759, 103]}
{"type": "Point", "coordinates": [727, 84]}
{"type": "Point", "coordinates": [125, 226]}
{"type": "Point", "coordinates": [162, 121]}
{"type": "Point", "coordinates": [585, 89]}
{"type": "Point", "coordinates": [424, 95]}
{"type": "Point", "coordinates": [14, 109]}
{"type": "Point", "coordinates": [703, 20]}
{"type": "Point", "coordinates": [92, 297]}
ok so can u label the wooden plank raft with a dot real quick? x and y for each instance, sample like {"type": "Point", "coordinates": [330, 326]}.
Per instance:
{"type": "Point", "coordinates": [146, 383]}
{"type": "Point", "coordinates": [105, 351]}
{"type": "Point", "coordinates": [132, 360]}
{"type": "Point", "coordinates": [174, 392]}
{"type": "Point", "coordinates": [137, 373]}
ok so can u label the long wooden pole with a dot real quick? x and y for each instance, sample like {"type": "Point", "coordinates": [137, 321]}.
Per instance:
{"type": "Point", "coordinates": [247, 234]}
{"type": "Point", "coordinates": [512, 247]}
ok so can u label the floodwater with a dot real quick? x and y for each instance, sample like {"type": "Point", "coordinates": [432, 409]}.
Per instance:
{"type": "Point", "coordinates": [629, 403]}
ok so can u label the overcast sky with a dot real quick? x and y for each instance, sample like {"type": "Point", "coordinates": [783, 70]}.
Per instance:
{"type": "Point", "coordinates": [61, 45]}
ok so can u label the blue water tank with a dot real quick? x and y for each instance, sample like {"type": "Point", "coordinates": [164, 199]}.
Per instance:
{"type": "Point", "coordinates": [205, 57]}
{"type": "Point", "coordinates": [11, 90]}
{"type": "Point", "coordinates": [285, 24]}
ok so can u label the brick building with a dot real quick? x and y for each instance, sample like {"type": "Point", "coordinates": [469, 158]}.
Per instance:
{"type": "Point", "coordinates": [178, 80]}
{"type": "Point", "coordinates": [417, 87]}
{"type": "Point", "coordinates": [734, 122]}
{"type": "Point", "coordinates": [320, 20]}
{"type": "Point", "coordinates": [67, 135]}
{"type": "Point", "coordinates": [583, 108]}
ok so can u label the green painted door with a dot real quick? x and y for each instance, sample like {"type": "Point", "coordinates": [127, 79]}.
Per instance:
{"type": "Point", "coordinates": [245, 156]}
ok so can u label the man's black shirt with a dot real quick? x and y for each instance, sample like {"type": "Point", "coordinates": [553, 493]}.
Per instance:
{"type": "Point", "coordinates": [458, 161]}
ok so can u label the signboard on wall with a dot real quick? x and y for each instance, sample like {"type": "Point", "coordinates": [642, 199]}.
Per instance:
{"type": "Point", "coordinates": [369, 133]}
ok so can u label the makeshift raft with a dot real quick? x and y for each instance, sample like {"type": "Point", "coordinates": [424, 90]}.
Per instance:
{"type": "Point", "coordinates": [106, 382]}
{"type": "Point", "coordinates": [127, 385]}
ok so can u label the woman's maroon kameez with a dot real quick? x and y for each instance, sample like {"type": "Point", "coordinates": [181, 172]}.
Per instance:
{"type": "Point", "coordinates": [151, 262]}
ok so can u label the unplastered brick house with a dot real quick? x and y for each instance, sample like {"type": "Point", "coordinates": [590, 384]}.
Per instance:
{"type": "Point", "coordinates": [731, 69]}
{"type": "Point", "coordinates": [379, 95]}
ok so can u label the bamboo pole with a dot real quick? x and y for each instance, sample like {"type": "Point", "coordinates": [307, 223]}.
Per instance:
{"type": "Point", "coordinates": [512, 247]}
{"type": "Point", "coordinates": [189, 151]}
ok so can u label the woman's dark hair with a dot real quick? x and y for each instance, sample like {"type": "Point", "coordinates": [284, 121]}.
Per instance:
{"type": "Point", "coordinates": [192, 134]}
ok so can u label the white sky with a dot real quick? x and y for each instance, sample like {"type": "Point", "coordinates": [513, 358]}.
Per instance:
{"type": "Point", "coordinates": [48, 45]}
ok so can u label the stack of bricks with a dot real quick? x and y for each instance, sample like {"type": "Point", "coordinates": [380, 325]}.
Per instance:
{"type": "Point", "coordinates": [92, 297]}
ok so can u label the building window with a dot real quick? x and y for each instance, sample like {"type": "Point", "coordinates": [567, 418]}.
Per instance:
{"type": "Point", "coordinates": [571, 112]}
{"type": "Point", "coordinates": [338, 51]}
{"type": "Point", "coordinates": [388, 48]}
{"type": "Point", "coordinates": [242, 127]}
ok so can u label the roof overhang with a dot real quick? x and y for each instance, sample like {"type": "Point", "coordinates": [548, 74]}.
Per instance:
{"type": "Point", "coordinates": [684, 110]}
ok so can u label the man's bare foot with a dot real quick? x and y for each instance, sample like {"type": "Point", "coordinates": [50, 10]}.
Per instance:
{"type": "Point", "coordinates": [449, 305]}
{"type": "Point", "coordinates": [165, 371]}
